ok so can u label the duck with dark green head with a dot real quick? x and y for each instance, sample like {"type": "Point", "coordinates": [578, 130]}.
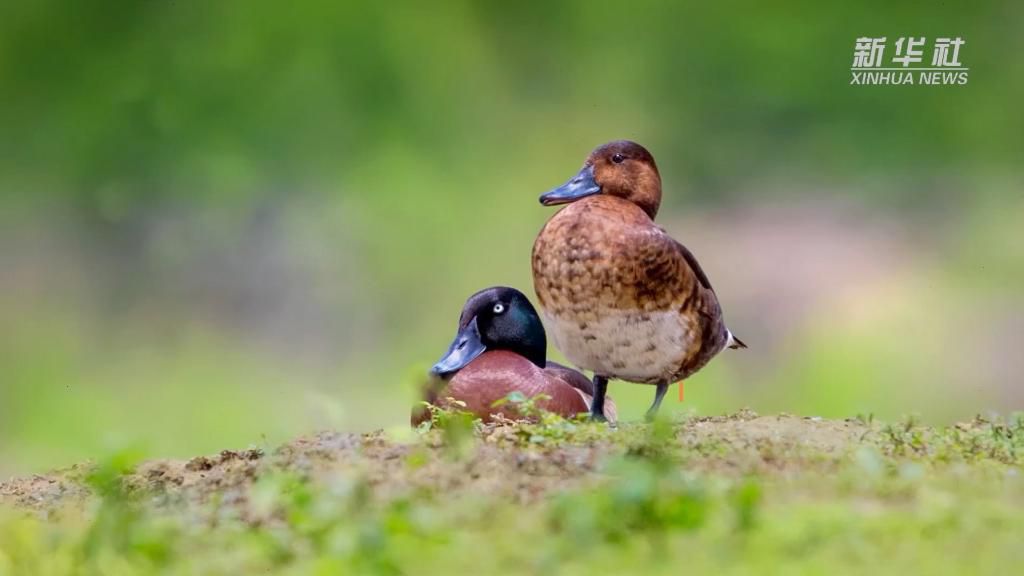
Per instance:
{"type": "Point", "coordinates": [501, 348]}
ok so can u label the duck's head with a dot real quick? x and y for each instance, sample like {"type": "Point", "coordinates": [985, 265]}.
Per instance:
{"type": "Point", "coordinates": [620, 168]}
{"type": "Point", "coordinates": [498, 318]}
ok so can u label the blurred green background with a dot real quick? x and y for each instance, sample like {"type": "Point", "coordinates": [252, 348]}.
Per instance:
{"type": "Point", "coordinates": [227, 223]}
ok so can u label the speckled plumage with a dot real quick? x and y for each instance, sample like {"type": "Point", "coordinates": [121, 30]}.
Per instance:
{"type": "Point", "coordinates": [619, 295]}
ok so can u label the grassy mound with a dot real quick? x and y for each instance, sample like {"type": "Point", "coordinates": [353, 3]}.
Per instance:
{"type": "Point", "coordinates": [735, 494]}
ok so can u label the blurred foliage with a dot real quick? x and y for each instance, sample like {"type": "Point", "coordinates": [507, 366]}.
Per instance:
{"type": "Point", "coordinates": [226, 221]}
{"type": "Point", "coordinates": [143, 101]}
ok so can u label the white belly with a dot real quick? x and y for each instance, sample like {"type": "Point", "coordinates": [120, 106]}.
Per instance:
{"type": "Point", "coordinates": [632, 346]}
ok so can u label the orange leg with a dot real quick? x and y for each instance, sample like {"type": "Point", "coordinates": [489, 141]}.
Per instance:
{"type": "Point", "coordinates": [680, 390]}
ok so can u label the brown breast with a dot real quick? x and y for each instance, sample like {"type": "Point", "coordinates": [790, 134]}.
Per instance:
{"type": "Point", "coordinates": [496, 374]}
{"type": "Point", "coordinates": [605, 252]}
{"type": "Point", "coordinates": [620, 296]}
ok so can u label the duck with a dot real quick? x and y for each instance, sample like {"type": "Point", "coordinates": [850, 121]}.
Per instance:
{"type": "Point", "coordinates": [501, 348]}
{"type": "Point", "coordinates": [619, 295]}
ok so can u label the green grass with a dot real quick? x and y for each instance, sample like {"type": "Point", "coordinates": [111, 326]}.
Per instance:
{"type": "Point", "coordinates": [733, 494]}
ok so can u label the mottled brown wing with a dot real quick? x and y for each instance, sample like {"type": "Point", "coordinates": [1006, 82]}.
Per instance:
{"type": "Point", "coordinates": [710, 308]}
{"type": "Point", "coordinates": [691, 260]}
{"type": "Point", "coordinates": [667, 272]}
{"type": "Point", "coordinates": [678, 272]}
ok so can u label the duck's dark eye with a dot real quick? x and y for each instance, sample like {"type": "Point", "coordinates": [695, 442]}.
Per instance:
{"type": "Point", "coordinates": [618, 158]}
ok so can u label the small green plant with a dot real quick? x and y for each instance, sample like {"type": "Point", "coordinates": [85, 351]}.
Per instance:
{"type": "Point", "coordinates": [656, 442]}
{"type": "Point", "coordinates": [746, 499]}
{"type": "Point", "coordinates": [865, 419]}
{"type": "Point", "coordinates": [456, 425]}
{"type": "Point", "coordinates": [906, 437]}
{"type": "Point", "coordinates": [120, 521]}
{"type": "Point", "coordinates": [106, 478]}
{"type": "Point", "coordinates": [536, 426]}
{"type": "Point", "coordinates": [641, 497]}
{"type": "Point", "coordinates": [990, 438]}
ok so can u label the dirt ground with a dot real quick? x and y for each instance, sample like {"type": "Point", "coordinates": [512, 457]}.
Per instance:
{"type": "Point", "coordinates": [734, 494]}
{"type": "Point", "coordinates": [501, 463]}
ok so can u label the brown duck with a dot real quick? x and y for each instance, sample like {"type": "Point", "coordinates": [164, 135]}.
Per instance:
{"type": "Point", "coordinates": [501, 348]}
{"type": "Point", "coordinates": [619, 295]}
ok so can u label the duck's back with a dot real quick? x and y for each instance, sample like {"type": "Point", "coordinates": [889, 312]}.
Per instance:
{"type": "Point", "coordinates": [621, 297]}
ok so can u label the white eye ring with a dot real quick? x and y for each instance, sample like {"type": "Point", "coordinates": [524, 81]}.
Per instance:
{"type": "Point", "coordinates": [499, 308]}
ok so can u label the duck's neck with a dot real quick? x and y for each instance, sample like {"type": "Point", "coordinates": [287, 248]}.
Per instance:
{"type": "Point", "coordinates": [531, 343]}
{"type": "Point", "coordinates": [533, 347]}
{"type": "Point", "coordinates": [649, 198]}
{"type": "Point", "coordinates": [646, 197]}
{"type": "Point", "coordinates": [538, 356]}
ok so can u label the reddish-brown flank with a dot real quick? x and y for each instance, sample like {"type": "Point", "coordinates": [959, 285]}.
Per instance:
{"type": "Point", "coordinates": [496, 374]}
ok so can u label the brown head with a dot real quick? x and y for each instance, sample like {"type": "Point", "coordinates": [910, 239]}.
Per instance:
{"type": "Point", "coordinates": [620, 168]}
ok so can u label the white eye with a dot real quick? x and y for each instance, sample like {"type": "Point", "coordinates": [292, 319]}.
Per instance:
{"type": "Point", "coordinates": [499, 308]}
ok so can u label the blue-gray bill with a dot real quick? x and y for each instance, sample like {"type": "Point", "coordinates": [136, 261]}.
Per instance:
{"type": "Point", "coordinates": [579, 186]}
{"type": "Point", "coordinates": [463, 350]}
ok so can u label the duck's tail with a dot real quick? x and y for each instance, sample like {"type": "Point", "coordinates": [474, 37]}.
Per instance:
{"type": "Point", "coordinates": [734, 342]}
